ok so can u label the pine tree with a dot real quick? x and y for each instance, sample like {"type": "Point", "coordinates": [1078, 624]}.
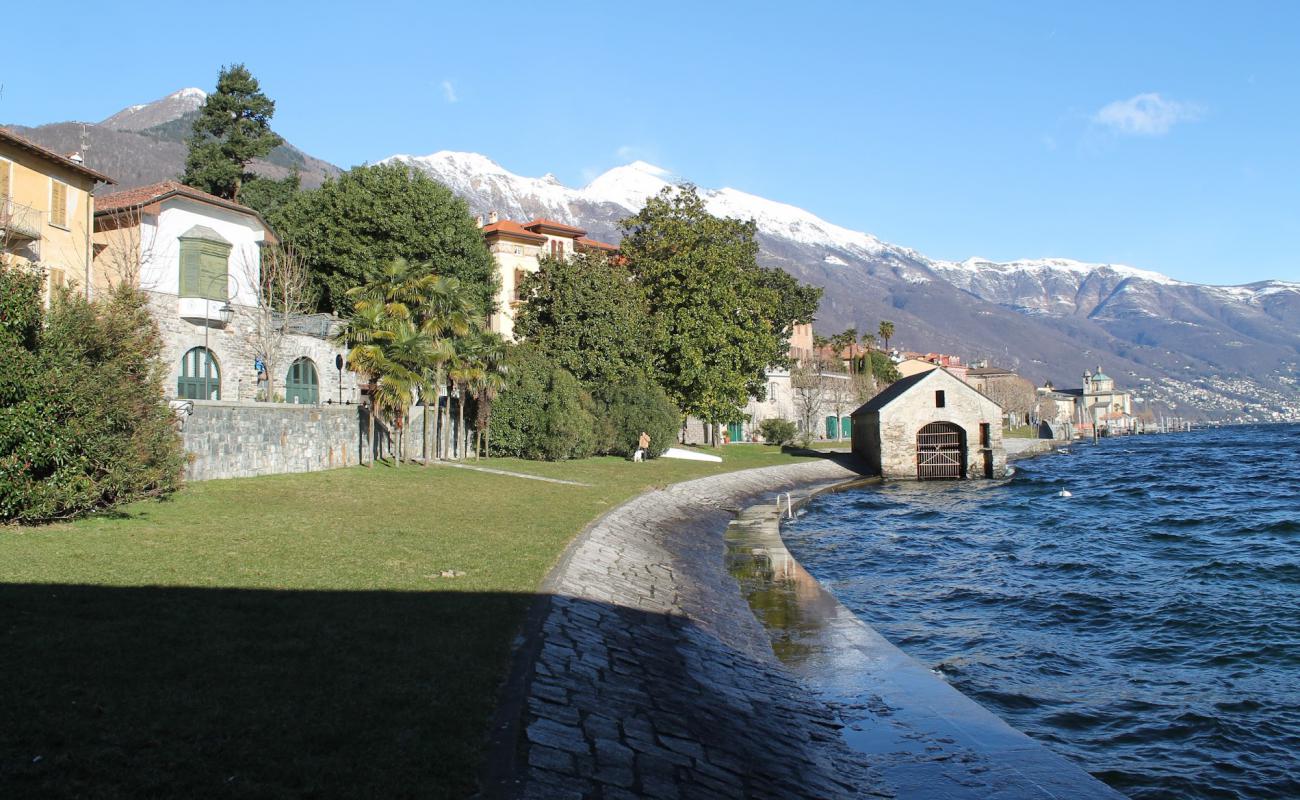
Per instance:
{"type": "Point", "coordinates": [233, 128]}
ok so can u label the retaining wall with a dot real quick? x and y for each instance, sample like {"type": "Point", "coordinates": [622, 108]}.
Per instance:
{"type": "Point", "coordinates": [236, 440]}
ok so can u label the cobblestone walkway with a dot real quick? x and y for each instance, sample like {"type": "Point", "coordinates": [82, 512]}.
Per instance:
{"type": "Point", "coordinates": [653, 678]}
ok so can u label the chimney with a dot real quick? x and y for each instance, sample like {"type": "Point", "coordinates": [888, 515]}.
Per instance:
{"type": "Point", "coordinates": [479, 220]}
{"type": "Point", "coordinates": [492, 217]}
{"type": "Point", "coordinates": [76, 157]}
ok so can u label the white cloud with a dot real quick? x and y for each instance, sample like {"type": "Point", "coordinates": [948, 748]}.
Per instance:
{"type": "Point", "coordinates": [449, 92]}
{"type": "Point", "coordinates": [1146, 114]}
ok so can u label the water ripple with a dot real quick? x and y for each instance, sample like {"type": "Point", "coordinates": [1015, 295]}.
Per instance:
{"type": "Point", "coordinates": [1147, 627]}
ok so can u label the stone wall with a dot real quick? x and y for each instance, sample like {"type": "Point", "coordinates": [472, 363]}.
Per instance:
{"type": "Point", "coordinates": [235, 440]}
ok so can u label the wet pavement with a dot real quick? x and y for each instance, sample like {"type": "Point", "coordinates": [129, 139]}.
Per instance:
{"type": "Point", "coordinates": [652, 676]}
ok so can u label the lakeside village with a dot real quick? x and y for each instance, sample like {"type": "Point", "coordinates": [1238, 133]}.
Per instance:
{"type": "Point", "coordinates": [305, 629]}
{"type": "Point", "coordinates": [236, 328]}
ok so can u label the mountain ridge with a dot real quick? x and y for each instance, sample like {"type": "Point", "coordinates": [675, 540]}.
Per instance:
{"type": "Point", "coordinates": [1230, 352]}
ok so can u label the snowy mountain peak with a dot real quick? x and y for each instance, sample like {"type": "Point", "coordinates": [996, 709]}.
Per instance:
{"type": "Point", "coordinates": [1038, 265]}
{"type": "Point", "coordinates": [143, 116]}
{"type": "Point", "coordinates": [629, 185]}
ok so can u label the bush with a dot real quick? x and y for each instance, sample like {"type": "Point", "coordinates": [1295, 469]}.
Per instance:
{"type": "Point", "coordinates": [83, 425]}
{"type": "Point", "coordinates": [777, 431]}
{"type": "Point", "coordinates": [542, 413]}
{"type": "Point", "coordinates": [639, 404]}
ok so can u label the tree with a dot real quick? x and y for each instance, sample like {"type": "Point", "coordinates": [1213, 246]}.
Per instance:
{"type": "Point", "coordinates": [886, 331]}
{"type": "Point", "coordinates": [83, 425]}
{"type": "Point", "coordinates": [719, 320]}
{"type": "Point", "coordinates": [348, 229]}
{"type": "Point", "coordinates": [587, 314]}
{"type": "Point", "coordinates": [543, 412]}
{"type": "Point", "coordinates": [485, 388]}
{"type": "Point", "coordinates": [810, 386]}
{"type": "Point", "coordinates": [1015, 394]}
{"type": "Point", "coordinates": [268, 195]}
{"type": "Point", "coordinates": [282, 286]}
{"type": "Point", "coordinates": [232, 129]}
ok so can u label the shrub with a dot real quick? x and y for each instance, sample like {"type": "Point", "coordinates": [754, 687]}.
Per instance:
{"type": "Point", "coordinates": [83, 425]}
{"type": "Point", "coordinates": [543, 412]}
{"type": "Point", "coordinates": [777, 431]}
{"type": "Point", "coordinates": [636, 405]}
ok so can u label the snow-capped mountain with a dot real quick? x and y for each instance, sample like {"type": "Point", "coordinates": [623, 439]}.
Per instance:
{"type": "Point", "coordinates": [1231, 351]}
{"type": "Point", "coordinates": [147, 115]}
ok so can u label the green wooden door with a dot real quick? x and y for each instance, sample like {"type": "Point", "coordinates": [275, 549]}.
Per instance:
{"type": "Point", "coordinates": [736, 432]}
{"type": "Point", "coordinates": [200, 377]}
{"type": "Point", "coordinates": [301, 384]}
{"type": "Point", "coordinates": [846, 427]}
{"type": "Point", "coordinates": [832, 428]}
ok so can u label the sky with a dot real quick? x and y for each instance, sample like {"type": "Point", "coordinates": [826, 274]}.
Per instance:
{"type": "Point", "coordinates": [1164, 136]}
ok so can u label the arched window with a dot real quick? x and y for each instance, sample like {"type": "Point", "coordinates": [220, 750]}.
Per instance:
{"type": "Point", "coordinates": [301, 385]}
{"type": "Point", "coordinates": [200, 377]}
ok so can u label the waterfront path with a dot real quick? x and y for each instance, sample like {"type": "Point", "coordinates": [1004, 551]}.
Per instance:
{"type": "Point", "coordinates": [650, 676]}
{"type": "Point", "coordinates": [647, 674]}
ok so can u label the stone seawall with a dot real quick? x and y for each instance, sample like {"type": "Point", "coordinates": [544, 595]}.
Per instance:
{"type": "Point", "coordinates": [648, 674]}
{"type": "Point", "coordinates": [236, 440]}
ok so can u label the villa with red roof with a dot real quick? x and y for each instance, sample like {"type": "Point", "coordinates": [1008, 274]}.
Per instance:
{"type": "Point", "coordinates": [518, 249]}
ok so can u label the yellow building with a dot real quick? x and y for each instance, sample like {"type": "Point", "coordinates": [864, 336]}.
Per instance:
{"type": "Point", "coordinates": [518, 250]}
{"type": "Point", "coordinates": [47, 210]}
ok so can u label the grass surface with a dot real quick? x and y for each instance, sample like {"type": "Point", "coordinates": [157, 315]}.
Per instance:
{"type": "Point", "coordinates": [287, 635]}
{"type": "Point", "coordinates": [1023, 432]}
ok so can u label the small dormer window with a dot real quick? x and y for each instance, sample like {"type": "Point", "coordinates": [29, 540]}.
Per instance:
{"type": "Point", "coordinates": [939, 400]}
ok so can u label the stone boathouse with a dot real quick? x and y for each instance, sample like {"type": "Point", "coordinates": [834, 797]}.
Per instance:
{"type": "Point", "coordinates": [928, 426]}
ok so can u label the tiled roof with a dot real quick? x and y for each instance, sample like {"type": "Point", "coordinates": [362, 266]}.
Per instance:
{"type": "Point", "coordinates": [585, 242]}
{"type": "Point", "coordinates": [157, 192]}
{"type": "Point", "coordinates": [558, 227]}
{"type": "Point", "coordinates": [507, 228]}
{"type": "Point", "coordinates": [9, 136]}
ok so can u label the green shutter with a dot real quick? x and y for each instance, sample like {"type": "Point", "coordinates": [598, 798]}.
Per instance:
{"type": "Point", "coordinates": [205, 269]}
{"type": "Point", "coordinates": [189, 268]}
{"type": "Point", "coordinates": [214, 271]}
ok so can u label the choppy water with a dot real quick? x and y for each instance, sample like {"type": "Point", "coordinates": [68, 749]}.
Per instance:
{"type": "Point", "coordinates": [1147, 627]}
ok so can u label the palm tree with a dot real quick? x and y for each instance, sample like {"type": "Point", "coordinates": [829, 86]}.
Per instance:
{"type": "Point", "coordinates": [445, 313]}
{"type": "Point", "coordinates": [364, 335]}
{"type": "Point", "coordinates": [491, 381]}
{"type": "Point", "coordinates": [406, 357]}
{"type": "Point", "coordinates": [465, 367]}
{"type": "Point", "coordinates": [886, 331]}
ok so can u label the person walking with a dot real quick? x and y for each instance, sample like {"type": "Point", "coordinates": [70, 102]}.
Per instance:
{"type": "Point", "coordinates": [642, 447]}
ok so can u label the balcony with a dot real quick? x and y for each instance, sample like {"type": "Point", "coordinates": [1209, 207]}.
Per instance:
{"type": "Point", "coordinates": [18, 221]}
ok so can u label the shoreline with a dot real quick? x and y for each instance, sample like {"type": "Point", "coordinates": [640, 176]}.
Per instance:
{"type": "Point", "coordinates": [643, 672]}
{"type": "Point", "coordinates": [925, 738]}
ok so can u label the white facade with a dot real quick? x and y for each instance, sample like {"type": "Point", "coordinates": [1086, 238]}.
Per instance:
{"type": "Point", "coordinates": [140, 242]}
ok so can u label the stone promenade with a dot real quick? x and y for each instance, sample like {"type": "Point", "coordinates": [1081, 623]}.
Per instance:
{"type": "Point", "coordinates": [652, 677]}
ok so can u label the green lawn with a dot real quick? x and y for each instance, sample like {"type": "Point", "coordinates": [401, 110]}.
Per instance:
{"type": "Point", "coordinates": [286, 635]}
{"type": "Point", "coordinates": [1023, 432]}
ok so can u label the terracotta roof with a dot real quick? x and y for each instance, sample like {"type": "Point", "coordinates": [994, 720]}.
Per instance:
{"type": "Point", "coordinates": [592, 243]}
{"type": "Point", "coordinates": [49, 155]}
{"type": "Point", "coordinates": [513, 229]}
{"type": "Point", "coordinates": [157, 192]}
{"type": "Point", "coordinates": [558, 227]}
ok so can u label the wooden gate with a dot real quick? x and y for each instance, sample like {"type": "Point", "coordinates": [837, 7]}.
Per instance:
{"type": "Point", "coordinates": [940, 452]}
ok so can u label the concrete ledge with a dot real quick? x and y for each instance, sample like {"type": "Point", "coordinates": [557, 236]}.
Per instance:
{"type": "Point", "coordinates": [646, 673]}
{"type": "Point", "coordinates": [926, 739]}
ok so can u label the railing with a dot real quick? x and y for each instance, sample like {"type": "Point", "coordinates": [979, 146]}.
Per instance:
{"type": "Point", "coordinates": [18, 221]}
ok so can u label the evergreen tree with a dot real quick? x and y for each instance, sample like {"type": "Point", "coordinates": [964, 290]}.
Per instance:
{"type": "Point", "coordinates": [233, 128]}
{"type": "Point", "coordinates": [586, 314]}
{"type": "Point", "coordinates": [719, 320]}
{"type": "Point", "coordinates": [348, 229]}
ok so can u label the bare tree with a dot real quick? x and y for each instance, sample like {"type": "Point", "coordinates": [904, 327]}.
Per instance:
{"type": "Point", "coordinates": [841, 396]}
{"type": "Point", "coordinates": [809, 383]}
{"type": "Point", "coordinates": [125, 245]}
{"type": "Point", "coordinates": [1016, 395]}
{"type": "Point", "coordinates": [282, 288]}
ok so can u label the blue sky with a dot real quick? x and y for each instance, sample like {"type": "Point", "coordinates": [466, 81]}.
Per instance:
{"type": "Point", "coordinates": [1161, 135]}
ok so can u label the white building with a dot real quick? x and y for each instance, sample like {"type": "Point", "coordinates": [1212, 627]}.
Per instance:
{"type": "Point", "coordinates": [199, 258]}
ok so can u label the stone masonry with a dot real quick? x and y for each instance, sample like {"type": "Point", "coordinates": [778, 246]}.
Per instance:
{"type": "Point", "coordinates": [654, 679]}
{"type": "Point", "coordinates": [235, 440]}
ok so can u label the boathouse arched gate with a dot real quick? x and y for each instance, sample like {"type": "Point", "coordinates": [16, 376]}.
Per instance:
{"type": "Point", "coordinates": [941, 452]}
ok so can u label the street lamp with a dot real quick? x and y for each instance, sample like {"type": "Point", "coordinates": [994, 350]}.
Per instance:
{"type": "Point", "coordinates": [226, 313]}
